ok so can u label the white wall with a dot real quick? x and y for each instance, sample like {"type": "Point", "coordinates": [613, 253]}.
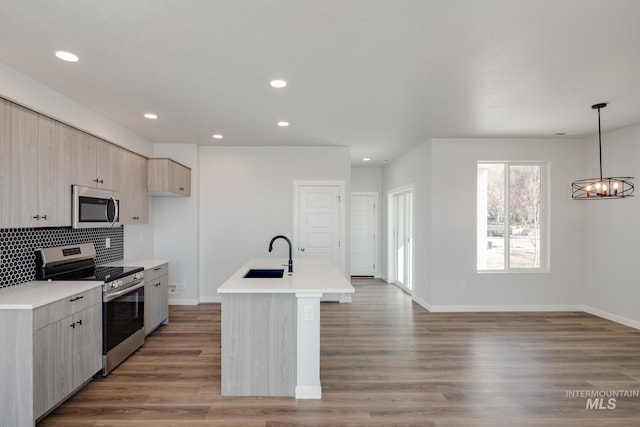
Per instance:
{"type": "Point", "coordinates": [247, 198]}
{"type": "Point", "coordinates": [612, 232]}
{"type": "Point", "coordinates": [176, 227]}
{"type": "Point", "coordinates": [366, 180]}
{"type": "Point", "coordinates": [445, 276]}
{"type": "Point", "coordinates": [455, 281]}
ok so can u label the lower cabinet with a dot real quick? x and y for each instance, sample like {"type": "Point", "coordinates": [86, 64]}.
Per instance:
{"type": "Point", "coordinates": [67, 354]}
{"type": "Point", "coordinates": [156, 297]}
{"type": "Point", "coordinates": [48, 353]}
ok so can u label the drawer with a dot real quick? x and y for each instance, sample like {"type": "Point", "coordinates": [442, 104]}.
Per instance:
{"type": "Point", "coordinates": [60, 309]}
{"type": "Point", "coordinates": [154, 273]}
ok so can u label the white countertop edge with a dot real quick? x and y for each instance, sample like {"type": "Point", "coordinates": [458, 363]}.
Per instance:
{"type": "Point", "coordinates": [38, 293]}
{"type": "Point", "coordinates": [310, 276]}
{"type": "Point", "coordinates": [147, 264]}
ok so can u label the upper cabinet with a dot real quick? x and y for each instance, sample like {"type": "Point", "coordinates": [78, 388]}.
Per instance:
{"type": "Point", "coordinates": [168, 178]}
{"type": "Point", "coordinates": [41, 158]}
{"type": "Point", "coordinates": [34, 177]}
{"type": "Point", "coordinates": [94, 162]}
{"type": "Point", "coordinates": [134, 200]}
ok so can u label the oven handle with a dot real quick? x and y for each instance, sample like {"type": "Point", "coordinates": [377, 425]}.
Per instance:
{"type": "Point", "coordinates": [111, 296]}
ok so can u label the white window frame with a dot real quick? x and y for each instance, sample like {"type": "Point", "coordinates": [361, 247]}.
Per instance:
{"type": "Point", "coordinates": [544, 266]}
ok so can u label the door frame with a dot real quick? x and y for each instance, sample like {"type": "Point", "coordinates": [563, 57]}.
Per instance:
{"type": "Point", "coordinates": [391, 267]}
{"type": "Point", "coordinates": [342, 215]}
{"type": "Point", "coordinates": [376, 226]}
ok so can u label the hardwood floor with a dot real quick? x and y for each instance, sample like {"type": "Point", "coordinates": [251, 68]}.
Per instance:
{"type": "Point", "coordinates": [384, 361]}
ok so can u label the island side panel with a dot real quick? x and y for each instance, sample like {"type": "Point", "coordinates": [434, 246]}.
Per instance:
{"type": "Point", "coordinates": [258, 344]}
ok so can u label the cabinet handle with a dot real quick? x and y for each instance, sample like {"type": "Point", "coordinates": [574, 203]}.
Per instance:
{"type": "Point", "coordinates": [157, 268]}
{"type": "Point", "coordinates": [44, 217]}
{"type": "Point", "coordinates": [181, 189]}
{"type": "Point", "coordinates": [73, 325]}
{"type": "Point", "coordinates": [156, 285]}
{"type": "Point", "coordinates": [76, 298]}
{"type": "Point", "coordinates": [79, 322]}
{"type": "Point", "coordinates": [36, 217]}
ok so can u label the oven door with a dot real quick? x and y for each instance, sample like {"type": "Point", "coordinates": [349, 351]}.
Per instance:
{"type": "Point", "coordinates": [123, 315]}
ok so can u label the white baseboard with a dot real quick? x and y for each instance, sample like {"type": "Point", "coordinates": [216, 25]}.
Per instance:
{"type": "Point", "coordinates": [308, 392]}
{"type": "Point", "coordinates": [494, 308]}
{"type": "Point", "coordinates": [613, 317]}
{"type": "Point", "coordinates": [215, 299]}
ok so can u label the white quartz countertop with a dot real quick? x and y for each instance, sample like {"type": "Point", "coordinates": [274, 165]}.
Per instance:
{"type": "Point", "coordinates": [310, 275]}
{"type": "Point", "coordinates": [147, 264]}
{"type": "Point", "coordinates": [38, 293]}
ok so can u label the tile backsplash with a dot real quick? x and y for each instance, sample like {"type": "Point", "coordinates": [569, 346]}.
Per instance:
{"type": "Point", "coordinates": [18, 245]}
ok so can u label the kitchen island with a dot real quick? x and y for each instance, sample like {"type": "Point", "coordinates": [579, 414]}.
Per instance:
{"type": "Point", "coordinates": [271, 327]}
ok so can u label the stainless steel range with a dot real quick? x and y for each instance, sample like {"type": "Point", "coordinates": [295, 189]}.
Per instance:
{"type": "Point", "coordinates": [122, 296]}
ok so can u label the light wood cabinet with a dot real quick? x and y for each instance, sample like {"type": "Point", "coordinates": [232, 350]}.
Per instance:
{"type": "Point", "coordinates": [168, 178]}
{"type": "Point", "coordinates": [54, 350]}
{"type": "Point", "coordinates": [156, 294]}
{"type": "Point", "coordinates": [34, 174]}
{"type": "Point", "coordinates": [67, 355]}
{"type": "Point", "coordinates": [133, 194]}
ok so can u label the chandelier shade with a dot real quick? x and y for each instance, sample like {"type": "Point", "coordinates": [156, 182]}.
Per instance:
{"type": "Point", "coordinates": [603, 187]}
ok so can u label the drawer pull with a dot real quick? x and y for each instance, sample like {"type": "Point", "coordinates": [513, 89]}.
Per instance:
{"type": "Point", "coordinates": [79, 322]}
{"type": "Point", "coordinates": [73, 325]}
{"type": "Point", "coordinates": [76, 298]}
{"type": "Point", "coordinates": [157, 284]}
{"type": "Point", "coordinates": [157, 268]}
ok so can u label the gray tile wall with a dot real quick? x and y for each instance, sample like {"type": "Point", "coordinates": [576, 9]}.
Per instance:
{"type": "Point", "coordinates": [18, 245]}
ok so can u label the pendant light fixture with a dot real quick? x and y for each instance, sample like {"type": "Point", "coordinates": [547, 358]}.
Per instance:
{"type": "Point", "coordinates": [601, 188]}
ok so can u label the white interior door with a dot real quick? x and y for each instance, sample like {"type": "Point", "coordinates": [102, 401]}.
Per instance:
{"type": "Point", "coordinates": [319, 222]}
{"type": "Point", "coordinates": [363, 234]}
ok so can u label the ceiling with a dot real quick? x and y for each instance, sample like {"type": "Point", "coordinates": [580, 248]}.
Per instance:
{"type": "Point", "coordinates": [380, 76]}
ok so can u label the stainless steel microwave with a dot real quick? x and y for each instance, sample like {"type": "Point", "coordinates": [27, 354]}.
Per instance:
{"type": "Point", "coordinates": [94, 207]}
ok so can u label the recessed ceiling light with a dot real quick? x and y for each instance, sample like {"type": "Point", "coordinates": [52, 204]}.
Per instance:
{"type": "Point", "coordinates": [216, 136]}
{"type": "Point", "coordinates": [278, 83]}
{"type": "Point", "coordinates": [67, 56]}
{"type": "Point", "coordinates": [283, 124]}
{"type": "Point", "coordinates": [366, 159]}
{"type": "Point", "coordinates": [151, 116]}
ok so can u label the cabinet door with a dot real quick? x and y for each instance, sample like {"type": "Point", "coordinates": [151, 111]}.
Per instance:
{"type": "Point", "coordinates": [54, 188]}
{"type": "Point", "coordinates": [156, 302]}
{"type": "Point", "coordinates": [87, 344]}
{"type": "Point", "coordinates": [109, 172]}
{"type": "Point", "coordinates": [22, 199]}
{"type": "Point", "coordinates": [52, 378]}
{"type": "Point", "coordinates": [179, 179]}
{"type": "Point", "coordinates": [82, 157]}
{"type": "Point", "coordinates": [6, 167]}
{"type": "Point", "coordinates": [134, 195]}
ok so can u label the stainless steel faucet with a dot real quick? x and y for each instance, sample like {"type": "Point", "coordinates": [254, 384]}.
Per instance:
{"type": "Point", "coordinates": [290, 249]}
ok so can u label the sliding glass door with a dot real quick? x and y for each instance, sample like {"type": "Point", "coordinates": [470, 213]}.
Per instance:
{"type": "Point", "coordinates": [401, 241]}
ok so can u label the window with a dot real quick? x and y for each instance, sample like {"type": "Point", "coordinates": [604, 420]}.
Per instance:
{"type": "Point", "coordinates": [511, 223]}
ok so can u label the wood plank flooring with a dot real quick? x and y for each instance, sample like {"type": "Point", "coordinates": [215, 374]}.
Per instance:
{"type": "Point", "coordinates": [385, 361]}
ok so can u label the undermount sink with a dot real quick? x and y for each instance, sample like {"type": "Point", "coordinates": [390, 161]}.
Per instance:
{"type": "Point", "coordinates": [264, 273]}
